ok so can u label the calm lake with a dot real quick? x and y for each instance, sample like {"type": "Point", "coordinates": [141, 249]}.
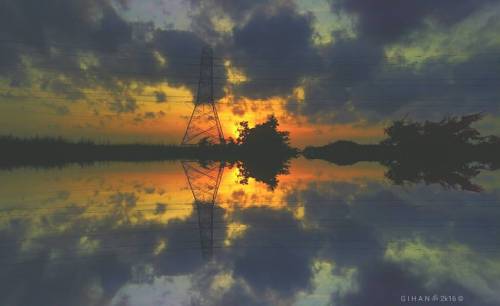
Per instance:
{"type": "Point", "coordinates": [173, 233]}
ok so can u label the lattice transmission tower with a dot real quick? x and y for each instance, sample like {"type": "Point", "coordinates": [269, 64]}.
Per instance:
{"type": "Point", "coordinates": [204, 124]}
{"type": "Point", "coordinates": [204, 181]}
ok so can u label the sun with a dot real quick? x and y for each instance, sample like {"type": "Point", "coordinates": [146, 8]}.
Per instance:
{"type": "Point", "coordinates": [254, 111]}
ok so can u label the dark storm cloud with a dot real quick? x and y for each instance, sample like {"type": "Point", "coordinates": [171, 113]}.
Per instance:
{"type": "Point", "coordinates": [348, 63]}
{"type": "Point", "coordinates": [351, 61]}
{"type": "Point", "coordinates": [275, 51]}
{"type": "Point", "coordinates": [122, 252]}
{"type": "Point", "coordinates": [9, 59]}
{"type": "Point", "coordinates": [88, 24]}
{"type": "Point", "coordinates": [51, 33]}
{"type": "Point", "coordinates": [36, 278]}
{"type": "Point", "coordinates": [143, 60]}
{"type": "Point", "coordinates": [57, 35]}
{"type": "Point", "coordinates": [347, 241]}
{"type": "Point", "coordinates": [389, 212]}
{"type": "Point", "coordinates": [362, 221]}
{"type": "Point", "coordinates": [26, 25]}
{"type": "Point", "coordinates": [377, 212]}
{"type": "Point", "coordinates": [389, 20]}
{"type": "Point", "coordinates": [268, 260]}
{"type": "Point", "coordinates": [274, 48]}
{"type": "Point", "coordinates": [271, 42]}
{"type": "Point", "coordinates": [182, 50]}
{"type": "Point", "coordinates": [379, 87]}
{"type": "Point", "coordinates": [478, 77]}
{"type": "Point", "coordinates": [381, 283]}
{"type": "Point", "coordinates": [358, 74]}
{"type": "Point", "coordinates": [453, 216]}
{"type": "Point", "coordinates": [37, 283]}
{"type": "Point", "coordinates": [434, 89]}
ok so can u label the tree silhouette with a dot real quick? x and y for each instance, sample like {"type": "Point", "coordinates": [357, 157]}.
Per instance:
{"type": "Point", "coordinates": [449, 152]}
{"type": "Point", "coordinates": [266, 152]}
{"type": "Point", "coordinates": [451, 131]}
{"type": "Point", "coordinates": [264, 135]}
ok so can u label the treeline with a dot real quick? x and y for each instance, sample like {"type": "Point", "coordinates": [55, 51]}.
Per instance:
{"type": "Point", "coordinates": [450, 138]}
{"type": "Point", "coordinates": [449, 152]}
{"type": "Point", "coordinates": [47, 152]}
{"type": "Point", "coordinates": [261, 152]}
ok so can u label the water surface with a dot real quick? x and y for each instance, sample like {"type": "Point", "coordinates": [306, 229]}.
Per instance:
{"type": "Point", "coordinates": [162, 233]}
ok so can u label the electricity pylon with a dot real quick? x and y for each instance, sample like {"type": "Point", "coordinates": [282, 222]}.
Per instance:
{"type": "Point", "coordinates": [204, 124]}
{"type": "Point", "coordinates": [204, 181]}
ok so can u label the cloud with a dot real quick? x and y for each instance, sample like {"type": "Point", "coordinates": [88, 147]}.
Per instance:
{"type": "Point", "coordinates": [389, 20]}
{"type": "Point", "coordinates": [275, 51]}
{"type": "Point", "coordinates": [380, 284]}
{"type": "Point", "coordinates": [239, 295]}
{"type": "Point", "coordinates": [84, 24]}
{"type": "Point", "coordinates": [62, 88]}
{"type": "Point", "coordinates": [88, 44]}
{"type": "Point", "coordinates": [278, 268]}
{"type": "Point", "coordinates": [237, 9]}
{"type": "Point", "coordinates": [161, 97]}
{"type": "Point", "coordinates": [57, 36]}
{"type": "Point", "coordinates": [363, 83]}
{"type": "Point", "coordinates": [215, 19]}
{"type": "Point", "coordinates": [349, 62]}
{"type": "Point", "coordinates": [433, 89]}
{"type": "Point", "coordinates": [91, 45]}
{"type": "Point", "coordinates": [327, 206]}
{"type": "Point", "coordinates": [182, 51]}
{"type": "Point", "coordinates": [450, 264]}
{"type": "Point", "coordinates": [364, 223]}
{"type": "Point", "coordinates": [129, 105]}
{"type": "Point", "coordinates": [215, 285]}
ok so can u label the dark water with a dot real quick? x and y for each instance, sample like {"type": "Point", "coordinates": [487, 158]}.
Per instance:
{"type": "Point", "coordinates": [145, 234]}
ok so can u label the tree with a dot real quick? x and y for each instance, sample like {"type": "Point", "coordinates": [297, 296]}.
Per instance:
{"type": "Point", "coordinates": [454, 131]}
{"type": "Point", "coordinates": [265, 152]}
{"type": "Point", "coordinates": [449, 152]}
{"type": "Point", "coordinates": [264, 136]}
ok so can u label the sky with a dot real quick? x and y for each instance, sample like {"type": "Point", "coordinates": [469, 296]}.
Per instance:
{"type": "Point", "coordinates": [126, 70]}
